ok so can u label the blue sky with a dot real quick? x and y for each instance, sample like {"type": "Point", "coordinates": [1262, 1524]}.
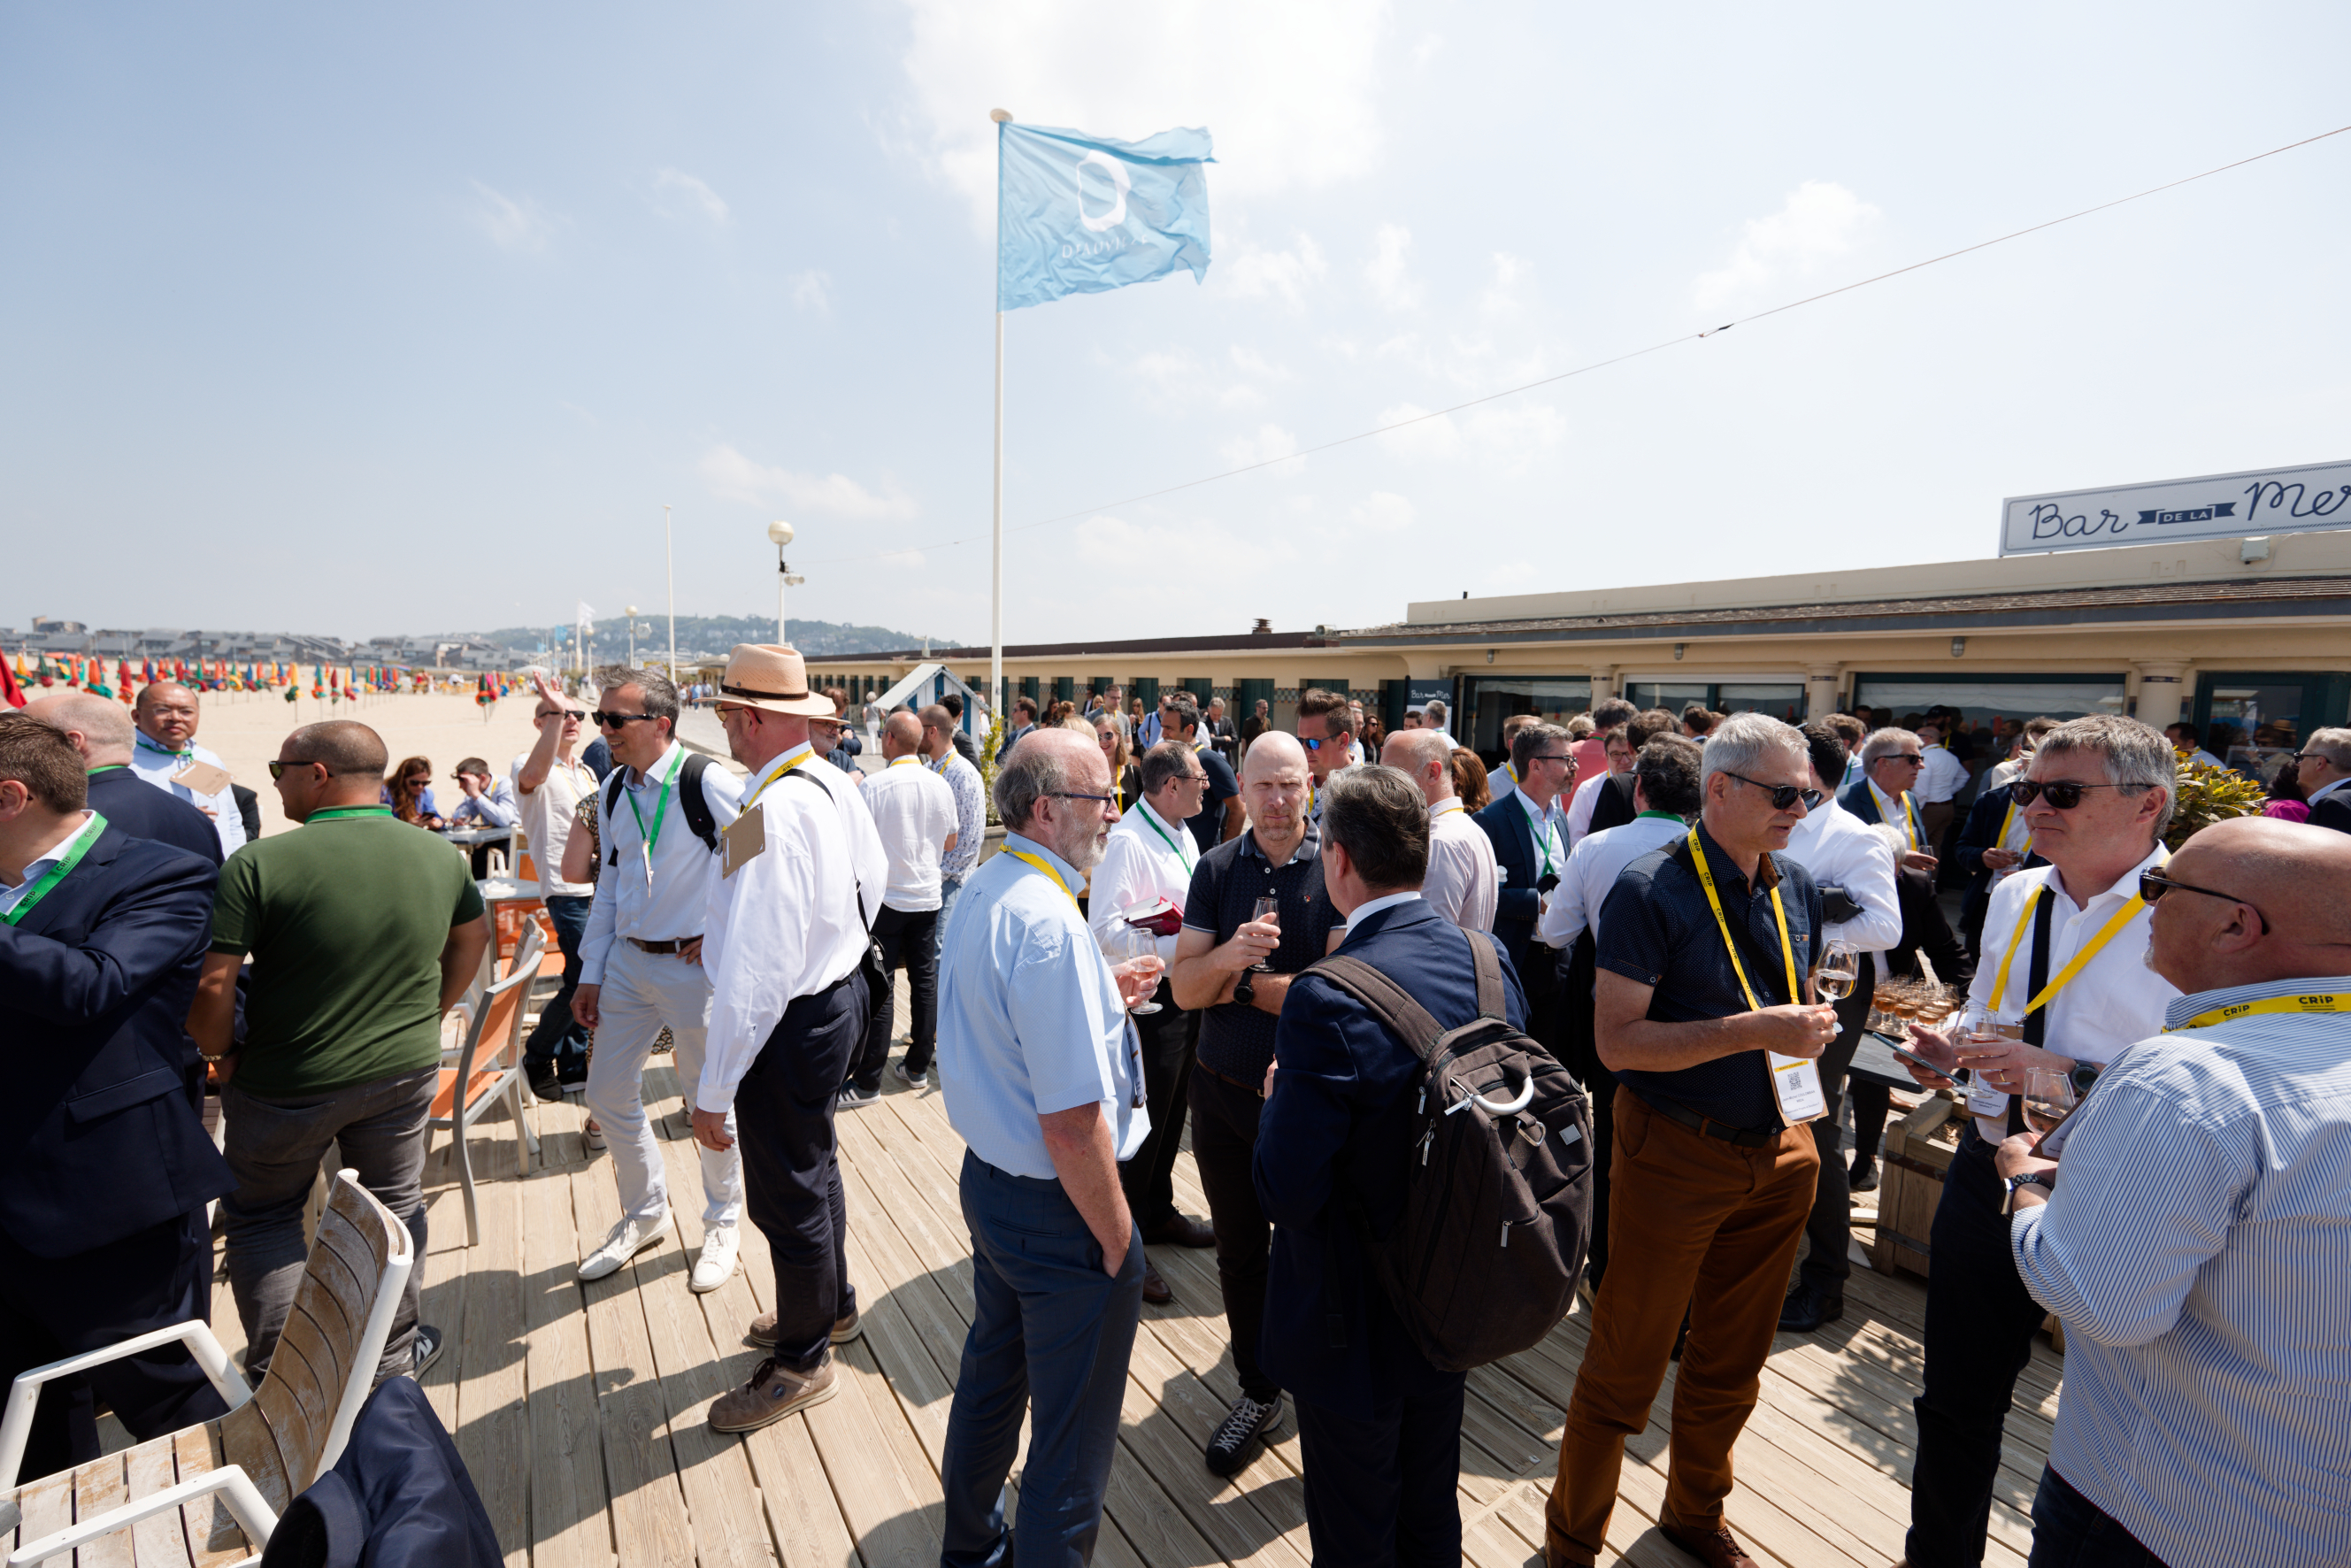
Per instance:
{"type": "Point", "coordinates": [367, 323]}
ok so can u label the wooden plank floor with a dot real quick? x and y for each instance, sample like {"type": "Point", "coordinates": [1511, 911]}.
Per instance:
{"type": "Point", "coordinates": [582, 1410]}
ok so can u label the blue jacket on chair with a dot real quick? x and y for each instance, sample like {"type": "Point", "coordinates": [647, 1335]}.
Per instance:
{"type": "Point", "coordinates": [399, 1498]}
{"type": "Point", "coordinates": [1520, 903]}
{"type": "Point", "coordinates": [98, 1140]}
{"type": "Point", "coordinates": [1333, 1148]}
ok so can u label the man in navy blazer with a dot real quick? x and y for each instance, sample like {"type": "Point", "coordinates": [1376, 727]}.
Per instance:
{"type": "Point", "coordinates": [1524, 826]}
{"type": "Point", "coordinates": [1379, 1427]}
{"type": "Point", "coordinates": [105, 1169]}
{"type": "Point", "coordinates": [101, 729]}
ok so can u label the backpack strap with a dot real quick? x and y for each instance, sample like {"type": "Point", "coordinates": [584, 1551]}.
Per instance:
{"type": "Point", "coordinates": [1489, 977]}
{"type": "Point", "coordinates": [698, 805]}
{"type": "Point", "coordinates": [612, 787]}
{"type": "Point", "coordinates": [1391, 1003]}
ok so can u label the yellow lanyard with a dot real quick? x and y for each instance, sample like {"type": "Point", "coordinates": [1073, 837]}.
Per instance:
{"type": "Point", "coordinates": [791, 759]}
{"type": "Point", "coordinates": [2005, 823]}
{"type": "Point", "coordinates": [2325, 1002]}
{"type": "Point", "coordinates": [1048, 871]}
{"type": "Point", "coordinates": [1903, 810]}
{"type": "Point", "coordinates": [2080, 960]}
{"type": "Point", "coordinates": [1787, 948]}
{"type": "Point", "coordinates": [908, 762]}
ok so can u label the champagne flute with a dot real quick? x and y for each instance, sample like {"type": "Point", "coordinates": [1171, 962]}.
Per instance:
{"type": "Point", "coordinates": [1839, 971]}
{"type": "Point", "coordinates": [1268, 911]}
{"type": "Point", "coordinates": [1139, 950]}
{"type": "Point", "coordinates": [2049, 1099]}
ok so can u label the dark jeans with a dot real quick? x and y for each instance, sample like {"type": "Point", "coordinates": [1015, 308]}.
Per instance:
{"type": "Point", "coordinates": [1979, 1325]}
{"type": "Point", "coordinates": [1381, 1493]}
{"type": "Point", "coordinates": [1872, 1103]}
{"type": "Point", "coordinates": [2069, 1531]}
{"type": "Point", "coordinates": [908, 936]}
{"type": "Point", "coordinates": [1168, 1037]}
{"type": "Point", "coordinates": [792, 1169]}
{"type": "Point", "coordinates": [1224, 1146]}
{"type": "Point", "coordinates": [274, 1148]}
{"type": "Point", "coordinates": [51, 1308]}
{"type": "Point", "coordinates": [1051, 1335]}
{"type": "Point", "coordinates": [558, 1037]}
{"type": "Point", "coordinates": [1829, 1259]}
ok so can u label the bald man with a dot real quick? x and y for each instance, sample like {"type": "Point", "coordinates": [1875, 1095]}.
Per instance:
{"type": "Point", "coordinates": [1464, 882]}
{"type": "Point", "coordinates": [166, 753]}
{"type": "Point", "coordinates": [915, 810]}
{"type": "Point", "coordinates": [1237, 967]}
{"type": "Point", "coordinates": [2197, 1219]}
{"type": "Point", "coordinates": [101, 729]}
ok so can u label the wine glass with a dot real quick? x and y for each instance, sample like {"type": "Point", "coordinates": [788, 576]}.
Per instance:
{"type": "Point", "coordinates": [1138, 949]}
{"type": "Point", "coordinates": [1839, 971]}
{"type": "Point", "coordinates": [2049, 1099]}
{"type": "Point", "coordinates": [1267, 911]}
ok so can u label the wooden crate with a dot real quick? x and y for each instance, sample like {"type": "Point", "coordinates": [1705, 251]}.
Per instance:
{"type": "Point", "coordinates": [1918, 1150]}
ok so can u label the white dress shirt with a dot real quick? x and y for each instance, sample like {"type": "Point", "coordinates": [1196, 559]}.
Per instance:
{"type": "Point", "coordinates": [1899, 812]}
{"type": "Point", "coordinates": [1464, 882]}
{"type": "Point", "coordinates": [152, 762]}
{"type": "Point", "coordinates": [1580, 809]}
{"type": "Point", "coordinates": [11, 897]}
{"type": "Point", "coordinates": [1842, 851]}
{"type": "Point", "coordinates": [1591, 874]}
{"type": "Point", "coordinates": [1371, 906]}
{"type": "Point", "coordinates": [2115, 1000]}
{"type": "Point", "coordinates": [668, 905]}
{"type": "Point", "coordinates": [913, 812]}
{"type": "Point", "coordinates": [1147, 859]}
{"type": "Point", "coordinates": [791, 920]}
{"type": "Point", "coordinates": [548, 817]}
{"type": "Point", "coordinates": [1943, 775]}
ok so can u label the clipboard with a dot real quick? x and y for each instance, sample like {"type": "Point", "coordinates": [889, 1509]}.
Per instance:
{"type": "Point", "coordinates": [201, 779]}
{"type": "Point", "coordinates": [741, 841]}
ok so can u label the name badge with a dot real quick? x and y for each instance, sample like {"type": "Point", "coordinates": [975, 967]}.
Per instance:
{"type": "Point", "coordinates": [1796, 1084]}
{"type": "Point", "coordinates": [203, 778]}
{"type": "Point", "coordinates": [741, 841]}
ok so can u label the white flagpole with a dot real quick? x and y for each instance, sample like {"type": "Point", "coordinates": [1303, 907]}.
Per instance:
{"type": "Point", "coordinates": [995, 590]}
{"type": "Point", "coordinates": [669, 555]}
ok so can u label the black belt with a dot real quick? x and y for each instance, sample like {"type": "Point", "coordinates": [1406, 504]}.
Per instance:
{"type": "Point", "coordinates": [659, 949]}
{"type": "Point", "coordinates": [1682, 1116]}
{"type": "Point", "coordinates": [1256, 1089]}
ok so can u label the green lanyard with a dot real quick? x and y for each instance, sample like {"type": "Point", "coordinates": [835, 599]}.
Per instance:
{"type": "Point", "coordinates": [341, 811]}
{"type": "Point", "coordinates": [1540, 824]}
{"type": "Point", "coordinates": [57, 873]}
{"type": "Point", "coordinates": [660, 812]}
{"type": "Point", "coordinates": [185, 755]}
{"type": "Point", "coordinates": [110, 768]}
{"type": "Point", "coordinates": [1151, 819]}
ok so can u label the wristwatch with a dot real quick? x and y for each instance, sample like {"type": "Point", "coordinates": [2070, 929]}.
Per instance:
{"type": "Point", "coordinates": [2084, 1074]}
{"type": "Point", "coordinates": [2029, 1178]}
{"type": "Point", "coordinates": [1244, 991]}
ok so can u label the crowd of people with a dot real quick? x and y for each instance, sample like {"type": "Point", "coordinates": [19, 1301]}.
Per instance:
{"type": "Point", "coordinates": [1694, 914]}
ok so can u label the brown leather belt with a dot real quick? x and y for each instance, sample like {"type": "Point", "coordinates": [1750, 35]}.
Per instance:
{"type": "Point", "coordinates": [660, 949]}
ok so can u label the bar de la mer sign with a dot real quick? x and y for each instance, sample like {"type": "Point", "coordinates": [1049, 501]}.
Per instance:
{"type": "Point", "coordinates": [2217, 506]}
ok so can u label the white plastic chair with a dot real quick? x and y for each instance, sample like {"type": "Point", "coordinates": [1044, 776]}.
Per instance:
{"type": "Point", "coordinates": [468, 1087]}
{"type": "Point", "coordinates": [254, 1460]}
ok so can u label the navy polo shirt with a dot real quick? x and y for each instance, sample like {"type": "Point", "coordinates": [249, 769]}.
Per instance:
{"type": "Point", "coordinates": [1207, 824]}
{"type": "Point", "coordinates": [1657, 928]}
{"type": "Point", "coordinates": [1237, 1039]}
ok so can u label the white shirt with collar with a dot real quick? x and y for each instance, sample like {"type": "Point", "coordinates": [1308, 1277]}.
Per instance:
{"type": "Point", "coordinates": [914, 813]}
{"type": "Point", "coordinates": [1842, 851]}
{"type": "Point", "coordinates": [669, 906]}
{"type": "Point", "coordinates": [1463, 883]}
{"type": "Point", "coordinates": [34, 871]}
{"type": "Point", "coordinates": [1147, 859]}
{"type": "Point", "coordinates": [1591, 874]}
{"type": "Point", "coordinates": [1371, 906]}
{"type": "Point", "coordinates": [1899, 812]}
{"type": "Point", "coordinates": [1943, 775]}
{"type": "Point", "coordinates": [1580, 809]}
{"type": "Point", "coordinates": [547, 815]}
{"type": "Point", "coordinates": [2115, 1002]}
{"type": "Point", "coordinates": [155, 763]}
{"type": "Point", "coordinates": [790, 922]}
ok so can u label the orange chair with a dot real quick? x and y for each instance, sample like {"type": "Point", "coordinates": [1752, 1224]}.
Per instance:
{"type": "Point", "coordinates": [488, 1066]}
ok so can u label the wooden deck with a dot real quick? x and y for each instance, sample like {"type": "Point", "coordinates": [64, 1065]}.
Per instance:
{"type": "Point", "coordinates": [579, 1409]}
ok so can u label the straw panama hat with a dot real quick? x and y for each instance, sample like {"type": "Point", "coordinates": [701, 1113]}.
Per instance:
{"type": "Point", "coordinates": [763, 675]}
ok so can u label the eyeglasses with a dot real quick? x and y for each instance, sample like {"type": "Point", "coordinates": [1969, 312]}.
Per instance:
{"type": "Point", "coordinates": [1783, 795]}
{"type": "Point", "coordinates": [1552, 757]}
{"type": "Point", "coordinates": [1074, 795]}
{"type": "Point", "coordinates": [617, 720]}
{"type": "Point", "coordinates": [2152, 884]}
{"type": "Point", "coordinates": [2062, 795]}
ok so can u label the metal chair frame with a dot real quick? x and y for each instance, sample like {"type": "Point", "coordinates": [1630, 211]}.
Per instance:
{"type": "Point", "coordinates": [500, 1009]}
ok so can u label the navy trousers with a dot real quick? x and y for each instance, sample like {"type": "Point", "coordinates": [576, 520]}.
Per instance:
{"type": "Point", "coordinates": [2069, 1531]}
{"type": "Point", "coordinates": [557, 1036]}
{"type": "Point", "coordinates": [1051, 1335]}
{"type": "Point", "coordinates": [1381, 1493]}
{"type": "Point", "coordinates": [791, 1166]}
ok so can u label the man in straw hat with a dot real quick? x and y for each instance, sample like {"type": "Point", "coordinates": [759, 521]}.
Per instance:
{"type": "Point", "coordinates": [787, 944]}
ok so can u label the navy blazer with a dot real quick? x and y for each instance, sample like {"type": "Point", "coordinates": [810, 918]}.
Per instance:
{"type": "Point", "coordinates": [1858, 799]}
{"type": "Point", "coordinates": [1519, 904]}
{"type": "Point", "coordinates": [2335, 813]}
{"type": "Point", "coordinates": [1333, 1148]}
{"type": "Point", "coordinates": [1614, 806]}
{"type": "Point", "coordinates": [140, 809]}
{"type": "Point", "coordinates": [98, 1140]}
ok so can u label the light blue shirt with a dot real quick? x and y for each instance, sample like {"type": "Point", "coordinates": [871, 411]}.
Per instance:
{"type": "Point", "coordinates": [156, 765]}
{"type": "Point", "coordinates": [2197, 1249]}
{"type": "Point", "coordinates": [1029, 1016]}
{"type": "Point", "coordinates": [660, 896]}
{"type": "Point", "coordinates": [493, 807]}
{"type": "Point", "coordinates": [971, 815]}
{"type": "Point", "coordinates": [12, 896]}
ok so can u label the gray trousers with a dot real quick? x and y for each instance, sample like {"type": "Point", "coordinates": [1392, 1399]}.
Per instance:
{"type": "Point", "coordinates": [273, 1149]}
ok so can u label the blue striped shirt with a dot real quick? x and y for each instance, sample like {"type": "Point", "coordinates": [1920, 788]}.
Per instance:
{"type": "Point", "coordinates": [2197, 1249]}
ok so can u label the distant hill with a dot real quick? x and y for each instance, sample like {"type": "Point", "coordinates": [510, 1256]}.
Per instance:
{"type": "Point", "coordinates": [704, 636]}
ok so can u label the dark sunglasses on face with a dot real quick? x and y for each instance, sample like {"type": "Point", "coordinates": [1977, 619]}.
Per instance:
{"type": "Point", "coordinates": [277, 769]}
{"type": "Point", "coordinates": [1912, 757]}
{"type": "Point", "coordinates": [617, 720]}
{"type": "Point", "coordinates": [2152, 884]}
{"type": "Point", "coordinates": [1783, 795]}
{"type": "Point", "coordinates": [2062, 796]}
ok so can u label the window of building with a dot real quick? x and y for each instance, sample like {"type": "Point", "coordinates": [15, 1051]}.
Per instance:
{"type": "Point", "coordinates": [1490, 699]}
{"type": "Point", "coordinates": [2012, 698]}
{"type": "Point", "coordinates": [1780, 699]}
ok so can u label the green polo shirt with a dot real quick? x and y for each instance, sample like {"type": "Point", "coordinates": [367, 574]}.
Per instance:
{"type": "Point", "coordinates": [345, 918]}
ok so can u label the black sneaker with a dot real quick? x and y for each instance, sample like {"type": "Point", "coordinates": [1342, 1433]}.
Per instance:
{"type": "Point", "coordinates": [852, 1098]}
{"type": "Point", "coordinates": [427, 1349]}
{"type": "Point", "coordinates": [546, 1082]}
{"type": "Point", "coordinates": [1807, 1309]}
{"type": "Point", "coordinates": [1245, 1426]}
{"type": "Point", "coordinates": [1864, 1177]}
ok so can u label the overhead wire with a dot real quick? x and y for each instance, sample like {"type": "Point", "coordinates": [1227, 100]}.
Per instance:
{"type": "Point", "coordinates": [1585, 370]}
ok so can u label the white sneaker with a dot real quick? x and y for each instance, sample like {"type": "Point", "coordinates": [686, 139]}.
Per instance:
{"type": "Point", "coordinates": [628, 1238]}
{"type": "Point", "coordinates": [716, 1266]}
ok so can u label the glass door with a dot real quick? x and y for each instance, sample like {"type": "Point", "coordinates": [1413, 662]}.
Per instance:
{"type": "Point", "coordinates": [2255, 721]}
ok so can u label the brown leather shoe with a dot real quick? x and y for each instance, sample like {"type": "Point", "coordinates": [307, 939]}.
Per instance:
{"type": "Point", "coordinates": [763, 1330]}
{"type": "Point", "coordinates": [774, 1392]}
{"type": "Point", "coordinates": [1717, 1548]}
{"type": "Point", "coordinates": [1182, 1230]}
{"type": "Point", "coordinates": [1154, 1289]}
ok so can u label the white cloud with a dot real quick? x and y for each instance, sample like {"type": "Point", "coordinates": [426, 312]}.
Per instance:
{"type": "Point", "coordinates": [732, 476]}
{"type": "Point", "coordinates": [522, 226]}
{"type": "Point", "coordinates": [1205, 597]}
{"type": "Point", "coordinates": [1438, 437]}
{"type": "Point", "coordinates": [692, 190]}
{"type": "Point", "coordinates": [1290, 91]}
{"type": "Point", "coordinates": [1502, 296]}
{"type": "Point", "coordinates": [812, 291]}
{"type": "Point", "coordinates": [1249, 363]}
{"type": "Point", "coordinates": [1820, 222]}
{"type": "Point", "coordinates": [1391, 284]}
{"type": "Point", "coordinates": [1269, 444]}
{"type": "Point", "coordinates": [1253, 272]}
{"type": "Point", "coordinates": [1384, 512]}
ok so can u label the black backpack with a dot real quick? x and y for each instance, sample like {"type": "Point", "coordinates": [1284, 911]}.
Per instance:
{"type": "Point", "coordinates": [1497, 1202]}
{"type": "Point", "coordinates": [696, 806]}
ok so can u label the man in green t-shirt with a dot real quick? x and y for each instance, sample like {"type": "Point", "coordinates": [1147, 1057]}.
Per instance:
{"type": "Point", "coordinates": [363, 932]}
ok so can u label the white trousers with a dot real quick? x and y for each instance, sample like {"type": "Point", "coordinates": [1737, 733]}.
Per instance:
{"type": "Point", "coordinates": [642, 994]}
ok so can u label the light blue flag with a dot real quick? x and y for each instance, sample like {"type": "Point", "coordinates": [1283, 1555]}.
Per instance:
{"type": "Point", "coordinates": [1081, 214]}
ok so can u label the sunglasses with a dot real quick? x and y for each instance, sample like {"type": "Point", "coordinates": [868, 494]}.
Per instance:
{"type": "Point", "coordinates": [2062, 796]}
{"type": "Point", "coordinates": [1912, 757]}
{"type": "Point", "coordinates": [1783, 795]}
{"type": "Point", "coordinates": [617, 720]}
{"type": "Point", "coordinates": [2152, 884]}
{"type": "Point", "coordinates": [277, 769]}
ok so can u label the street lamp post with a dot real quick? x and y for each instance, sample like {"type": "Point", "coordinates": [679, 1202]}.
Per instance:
{"type": "Point", "coordinates": [781, 532]}
{"type": "Point", "coordinates": [633, 636]}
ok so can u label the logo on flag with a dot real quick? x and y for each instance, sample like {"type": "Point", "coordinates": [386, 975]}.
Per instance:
{"type": "Point", "coordinates": [1081, 215]}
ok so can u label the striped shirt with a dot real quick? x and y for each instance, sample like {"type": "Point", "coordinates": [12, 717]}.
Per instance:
{"type": "Point", "coordinates": [971, 815]}
{"type": "Point", "coordinates": [2196, 1247]}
